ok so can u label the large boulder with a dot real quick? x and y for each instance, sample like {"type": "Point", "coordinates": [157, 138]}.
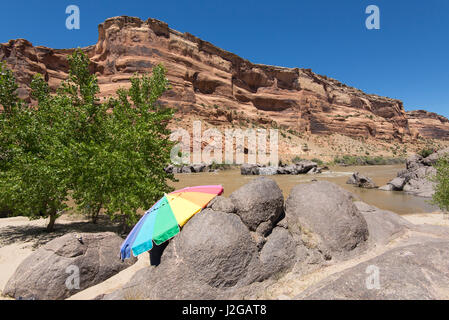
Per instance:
{"type": "Point", "coordinates": [249, 169]}
{"type": "Point", "coordinates": [434, 157]}
{"type": "Point", "coordinates": [414, 162]}
{"type": "Point", "coordinates": [259, 202]}
{"type": "Point", "coordinates": [223, 204]}
{"type": "Point", "coordinates": [217, 246]}
{"type": "Point", "coordinates": [186, 169]}
{"type": "Point", "coordinates": [420, 187]}
{"type": "Point", "coordinates": [416, 177]}
{"type": "Point", "coordinates": [289, 169]}
{"type": "Point", "coordinates": [43, 275]}
{"type": "Point", "coordinates": [324, 216]}
{"type": "Point", "coordinates": [200, 167]}
{"type": "Point", "coordinates": [384, 226]}
{"type": "Point", "coordinates": [416, 271]}
{"type": "Point", "coordinates": [268, 171]}
{"type": "Point", "coordinates": [219, 255]}
{"type": "Point", "coordinates": [278, 253]}
{"type": "Point", "coordinates": [361, 181]}
{"type": "Point", "coordinates": [417, 181]}
{"type": "Point", "coordinates": [300, 167]}
{"type": "Point", "coordinates": [305, 166]}
{"type": "Point", "coordinates": [398, 183]}
{"type": "Point", "coordinates": [213, 257]}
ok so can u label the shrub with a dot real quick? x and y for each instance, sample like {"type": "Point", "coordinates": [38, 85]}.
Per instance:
{"type": "Point", "coordinates": [425, 152]}
{"type": "Point", "coordinates": [441, 178]}
{"type": "Point", "coordinates": [350, 160]}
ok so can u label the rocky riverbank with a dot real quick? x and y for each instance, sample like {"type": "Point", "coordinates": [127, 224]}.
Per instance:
{"type": "Point", "coordinates": [416, 177]}
{"type": "Point", "coordinates": [254, 245]}
{"type": "Point", "coordinates": [361, 181]}
{"type": "Point", "coordinates": [197, 168]}
{"type": "Point", "coordinates": [317, 244]}
{"type": "Point", "coordinates": [301, 167]}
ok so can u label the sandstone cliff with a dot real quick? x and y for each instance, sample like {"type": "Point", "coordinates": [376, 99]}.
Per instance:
{"type": "Point", "coordinates": [218, 86]}
{"type": "Point", "coordinates": [429, 124]}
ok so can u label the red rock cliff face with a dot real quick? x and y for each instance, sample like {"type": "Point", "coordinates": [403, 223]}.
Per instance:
{"type": "Point", "coordinates": [203, 76]}
{"type": "Point", "coordinates": [429, 124]}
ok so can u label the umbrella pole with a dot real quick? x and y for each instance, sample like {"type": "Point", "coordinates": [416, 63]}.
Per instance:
{"type": "Point", "coordinates": [156, 253]}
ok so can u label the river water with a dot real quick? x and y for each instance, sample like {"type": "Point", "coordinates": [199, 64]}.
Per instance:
{"type": "Point", "coordinates": [398, 202]}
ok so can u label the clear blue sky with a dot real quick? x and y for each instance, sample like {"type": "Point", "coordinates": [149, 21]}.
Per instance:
{"type": "Point", "coordinates": [408, 58]}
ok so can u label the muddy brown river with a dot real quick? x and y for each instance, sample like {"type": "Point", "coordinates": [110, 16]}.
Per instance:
{"type": "Point", "coordinates": [398, 202]}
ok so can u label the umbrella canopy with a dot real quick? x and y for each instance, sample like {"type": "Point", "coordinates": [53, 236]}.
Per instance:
{"type": "Point", "coordinates": [163, 221]}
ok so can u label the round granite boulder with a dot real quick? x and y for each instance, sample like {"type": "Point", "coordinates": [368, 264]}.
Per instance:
{"type": "Point", "coordinates": [324, 216]}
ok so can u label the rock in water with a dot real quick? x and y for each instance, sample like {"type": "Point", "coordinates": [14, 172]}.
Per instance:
{"type": "Point", "coordinates": [201, 167]}
{"type": "Point", "coordinates": [268, 171]}
{"type": "Point", "coordinates": [249, 169]}
{"type": "Point", "coordinates": [301, 167]}
{"type": "Point", "coordinates": [387, 187]}
{"type": "Point", "coordinates": [415, 179]}
{"type": "Point", "coordinates": [398, 183]}
{"type": "Point", "coordinates": [305, 166]}
{"type": "Point", "coordinates": [323, 215]}
{"type": "Point", "coordinates": [361, 181]}
{"type": "Point", "coordinates": [43, 275]}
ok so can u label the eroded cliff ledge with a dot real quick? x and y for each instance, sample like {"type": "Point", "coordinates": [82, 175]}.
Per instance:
{"type": "Point", "coordinates": [429, 124]}
{"type": "Point", "coordinates": [203, 76]}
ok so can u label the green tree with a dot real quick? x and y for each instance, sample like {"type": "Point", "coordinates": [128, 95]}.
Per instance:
{"type": "Point", "coordinates": [122, 168]}
{"type": "Point", "coordinates": [8, 101]}
{"type": "Point", "coordinates": [8, 89]}
{"type": "Point", "coordinates": [123, 145]}
{"type": "Point", "coordinates": [34, 176]}
{"type": "Point", "coordinates": [108, 156]}
{"type": "Point", "coordinates": [441, 178]}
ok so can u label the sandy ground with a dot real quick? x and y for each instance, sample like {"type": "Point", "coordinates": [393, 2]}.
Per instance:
{"type": "Point", "coordinates": [10, 258]}
{"type": "Point", "coordinates": [19, 237]}
{"type": "Point", "coordinates": [11, 255]}
{"type": "Point", "coordinates": [436, 218]}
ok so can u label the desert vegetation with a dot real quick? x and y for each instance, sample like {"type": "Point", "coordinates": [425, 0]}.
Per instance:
{"type": "Point", "coordinates": [351, 160]}
{"type": "Point", "coordinates": [441, 178]}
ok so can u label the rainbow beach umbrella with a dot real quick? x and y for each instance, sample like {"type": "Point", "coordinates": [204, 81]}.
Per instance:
{"type": "Point", "coordinates": [163, 221]}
